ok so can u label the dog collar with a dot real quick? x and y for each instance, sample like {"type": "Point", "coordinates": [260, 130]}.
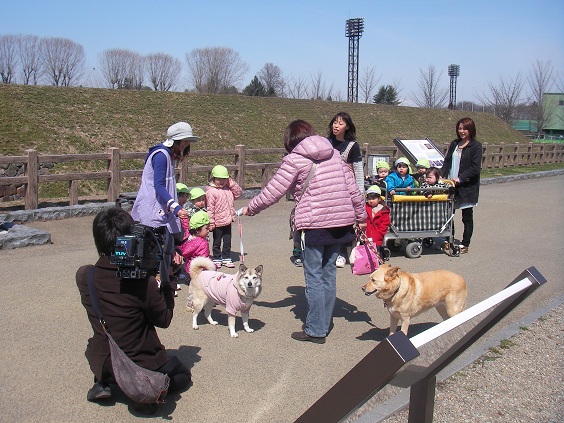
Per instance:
{"type": "Point", "coordinates": [392, 297]}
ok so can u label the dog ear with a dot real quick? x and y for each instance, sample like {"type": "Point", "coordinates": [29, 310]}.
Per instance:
{"type": "Point", "coordinates": [258, 269]}
{"type": "Point", "coordinates": [242, 268]}
{"type": "Point", "coordinates": [392, 273]}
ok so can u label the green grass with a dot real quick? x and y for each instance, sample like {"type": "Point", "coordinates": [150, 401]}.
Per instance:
{"type": "Point", "coordinates": [79, 120]}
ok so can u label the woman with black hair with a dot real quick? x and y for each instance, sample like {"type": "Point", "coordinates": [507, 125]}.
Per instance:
{"type": "Point", "coordinates": [463, 163]}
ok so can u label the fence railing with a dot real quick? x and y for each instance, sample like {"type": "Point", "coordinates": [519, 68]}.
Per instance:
{"type": "Point", "coordinates": [239, 161]}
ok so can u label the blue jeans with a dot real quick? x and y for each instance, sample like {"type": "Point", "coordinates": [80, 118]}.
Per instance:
{"type": "Point", "coordinates": [321, 286]}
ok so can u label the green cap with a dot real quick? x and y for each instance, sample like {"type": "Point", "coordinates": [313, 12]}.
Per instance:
{"type": "Point", "coordinates": [199, 219]}
{"type": "Point", "coordinates": [382, 163]}
{"type": "Point", "coordinates": [196, 193]}
{"type": "Point", "coordinates": [374, 189]}
{"type": "Point", "coordinates": [220, 171]}
{"type": "Point", "coordinates": [182, 188]}
{"type": "Point", "coordinates": [422, 163]}
{"type": "Point", "coordinates": [403, 160]}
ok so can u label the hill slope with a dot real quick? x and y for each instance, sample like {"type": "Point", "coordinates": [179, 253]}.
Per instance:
{"type": "Point", "coordinates": [80, 120]}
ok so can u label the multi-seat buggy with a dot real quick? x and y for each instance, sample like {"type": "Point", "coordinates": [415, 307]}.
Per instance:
{"type": "Point", "coordinates": [418, 221]}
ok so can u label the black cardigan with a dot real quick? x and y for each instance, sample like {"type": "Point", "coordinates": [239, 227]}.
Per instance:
{"type": "Point", "coordinates": [469, 172]}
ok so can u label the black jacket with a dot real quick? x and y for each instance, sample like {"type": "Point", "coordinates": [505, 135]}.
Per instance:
{"type": "Point", "coordinates": [469, 172]}
{"type": "Point", "coordinates": [131, 308]}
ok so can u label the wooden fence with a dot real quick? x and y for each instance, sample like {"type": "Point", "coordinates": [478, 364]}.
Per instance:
{"type": "Point", "coordinates": [494, 156]}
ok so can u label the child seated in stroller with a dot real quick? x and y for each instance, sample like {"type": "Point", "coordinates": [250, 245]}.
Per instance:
{"type": "Point", "coordinates": [433, 180]}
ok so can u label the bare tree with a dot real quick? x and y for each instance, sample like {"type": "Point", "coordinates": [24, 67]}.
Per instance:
{"type": "Point", "coordinates": [368, 82]}
{"type": "Point", "coordinates": [121, 69]}
{"type": "Point", "coordinates": [215, 70]}
{"type": "Point", "coordinates": [318, 90]}
{"type": "Point", "coordinates": [271, 77]}
{"type": "Point", "coordinates": [8, 57]}
{"type": "Point", "coordinates": [541, 79]}
{"type": "Point", "coordinates": [430, 96]}
{"type": "Point", "coordinates": [505, 98]}
{"type": "Point", "coordinates": [64, 60]}
{"type": "Point", "coordinates": [29, 50]}
{"type": "Point", "coordinates": [297, 87]}
{"type": "Point", "coordinates": [164, 71]}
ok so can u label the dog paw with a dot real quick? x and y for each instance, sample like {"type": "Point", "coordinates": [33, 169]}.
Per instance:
{"type": "Point", "coordinates": [213, 322]}
{"type": "Point", "coordinates": [234, 335]}
{"type": "Point", "coordinates": [195, 327]}
{"type": "Point", "coordinates": [249, 330]}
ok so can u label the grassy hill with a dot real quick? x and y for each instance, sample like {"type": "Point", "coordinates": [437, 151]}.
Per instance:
{"type": "Point", "coordinates": [61, 120]}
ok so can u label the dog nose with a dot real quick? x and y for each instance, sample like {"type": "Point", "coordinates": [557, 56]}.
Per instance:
{"type": "Point", "coordinates": [250, 284]}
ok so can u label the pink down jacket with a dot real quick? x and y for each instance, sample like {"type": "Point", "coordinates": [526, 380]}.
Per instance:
{"type": "Point", "coordinates": [332, 198]}
{"type": "Point", "coordinates": [220, 202]}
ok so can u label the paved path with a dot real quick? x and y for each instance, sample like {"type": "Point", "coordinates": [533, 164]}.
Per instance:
{"type": "Point", "coordinates": [264, 376]}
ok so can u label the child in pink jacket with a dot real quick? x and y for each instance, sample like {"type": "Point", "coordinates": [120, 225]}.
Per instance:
{"type": "Point", "coordinates": [196, 245]}
{"type": "Point", "coordinates": [220, 199]}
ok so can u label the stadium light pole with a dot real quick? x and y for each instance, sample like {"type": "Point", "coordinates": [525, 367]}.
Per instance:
{"type": "Point", "coordinates": [453, 72]}
{"type": "Point", "coordinates": [353, 30]}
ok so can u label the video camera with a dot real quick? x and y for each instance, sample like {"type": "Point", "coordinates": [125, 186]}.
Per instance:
{"type": "Point", "coordinates": [138, 255]}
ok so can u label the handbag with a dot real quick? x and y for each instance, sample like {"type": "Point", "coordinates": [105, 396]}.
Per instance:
{"type": "Point", "coordinates": [364, 258]}
{"type": "Point", "coordinates": [140, 384]}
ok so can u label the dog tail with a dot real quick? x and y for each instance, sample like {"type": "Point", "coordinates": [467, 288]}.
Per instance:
{"type": "Point", "coordinates": [198, 265]}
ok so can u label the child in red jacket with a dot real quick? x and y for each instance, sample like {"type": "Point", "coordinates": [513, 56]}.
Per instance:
{"type": "Point", "coordinates": [378, 213]}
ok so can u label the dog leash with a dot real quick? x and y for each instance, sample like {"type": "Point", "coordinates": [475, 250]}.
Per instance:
{"type": "Point", "coordinates": [361, 236]}
{"type": "Point", "coordinates": [239, 213]}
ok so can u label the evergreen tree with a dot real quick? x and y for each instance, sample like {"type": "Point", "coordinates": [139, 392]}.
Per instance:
{"type": "Point", "coordinates": [255, 88]}
{"type": "Point", "coordinates": [387, 94]}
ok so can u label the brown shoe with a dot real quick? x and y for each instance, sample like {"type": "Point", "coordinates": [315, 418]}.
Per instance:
{"type": "Point", "coordinates": [302, 336]}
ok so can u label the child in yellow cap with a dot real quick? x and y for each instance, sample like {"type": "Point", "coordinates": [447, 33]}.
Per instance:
{"type": "Point", "coordinates": [221, 193]}
{"type": "Point", "coordinates": [196, 245]}
{"type": "Point", "coordinates": [197, 200]}
{"type": "Point", "coordinates": [422, 165]}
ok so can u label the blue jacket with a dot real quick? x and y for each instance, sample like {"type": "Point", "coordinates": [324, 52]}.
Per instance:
{"type": "Point", "coordinates": [393, 180]}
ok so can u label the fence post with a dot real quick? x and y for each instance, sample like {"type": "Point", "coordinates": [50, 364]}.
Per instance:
{"type": "Point", "coordinates": [502, 156]}
{"type": "Point", "coordinates": [73, 192]}
{"type": "Point", "coordinates": [422, 400]}
{"type": "Point", "coordinates": [114, 167]}
{"type": "Point", "coordinates": [485, 150]}
{"type": "Point", "coordinates": [517, 158]}
{"type": "Point", "coordinates": [240, 162]}
{"type": "Point", "coordinates": [32, 180]}
{"type": "Point", "coordinates": [366, 154]}
{"type": "Point", "coordinates": [530, 151]}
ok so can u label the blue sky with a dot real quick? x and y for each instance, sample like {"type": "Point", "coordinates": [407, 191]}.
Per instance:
{"type": "Point", "coordinates": [489, 39]}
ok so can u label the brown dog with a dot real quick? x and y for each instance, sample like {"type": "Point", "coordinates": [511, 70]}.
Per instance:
{"type": "Point", "coordinates": [409, 294]}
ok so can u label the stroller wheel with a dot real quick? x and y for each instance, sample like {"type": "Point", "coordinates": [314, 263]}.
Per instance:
{"type": "Point", "coordinates": [455, 251]}
{"type": "Point", "coordinates": [386, 254]}
{"type": "Point", "coordinates": [413, 249]}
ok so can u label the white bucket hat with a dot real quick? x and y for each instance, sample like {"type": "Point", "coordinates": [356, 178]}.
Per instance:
{"type": "Point", "coordinates": [179, 131]}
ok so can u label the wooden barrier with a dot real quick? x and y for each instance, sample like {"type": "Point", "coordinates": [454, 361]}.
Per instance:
{"type": "Point", "coordinates": [238, 162]}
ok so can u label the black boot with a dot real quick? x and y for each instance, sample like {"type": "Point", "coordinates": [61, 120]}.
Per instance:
{"type": "Point", "coordinates": [98, 392]}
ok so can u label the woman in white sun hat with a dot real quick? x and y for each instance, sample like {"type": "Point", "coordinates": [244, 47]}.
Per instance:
{"type": "Point", "coordinates": [156, 204]}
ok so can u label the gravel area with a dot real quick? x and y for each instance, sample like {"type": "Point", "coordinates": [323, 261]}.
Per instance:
{"type": "Point", "coordinates": [520, 380]}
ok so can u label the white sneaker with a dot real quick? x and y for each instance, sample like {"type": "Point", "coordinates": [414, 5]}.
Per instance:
{"type": "Point", "coordinates": [341, 261]}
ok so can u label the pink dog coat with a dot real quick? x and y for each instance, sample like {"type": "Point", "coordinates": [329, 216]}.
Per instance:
{"type": "Point", "coordinates": [223, 290]}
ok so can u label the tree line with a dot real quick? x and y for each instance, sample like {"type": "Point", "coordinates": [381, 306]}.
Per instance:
{"type": "Point", "coordinates": [30, 60]}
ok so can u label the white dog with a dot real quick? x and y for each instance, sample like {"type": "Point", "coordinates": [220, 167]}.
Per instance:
{"type": "Point", "coordinates": [209, 287]}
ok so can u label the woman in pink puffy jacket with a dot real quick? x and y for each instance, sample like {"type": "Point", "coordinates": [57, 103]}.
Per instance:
{"type": "Point", "coordinates": [325, 217]}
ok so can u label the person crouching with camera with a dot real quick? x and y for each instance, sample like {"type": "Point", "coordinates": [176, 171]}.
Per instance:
{"type": "Point", "coordinates": [132, 308]}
